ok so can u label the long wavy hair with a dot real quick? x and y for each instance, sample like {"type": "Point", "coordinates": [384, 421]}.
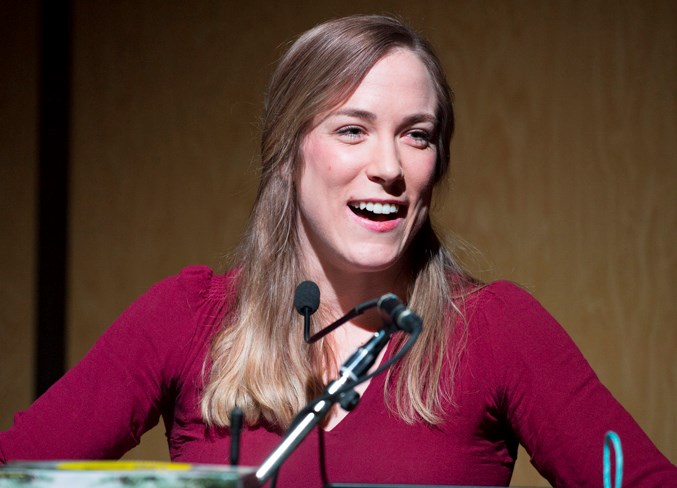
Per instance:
{"type": "Point", "coordinates": [257, 360]}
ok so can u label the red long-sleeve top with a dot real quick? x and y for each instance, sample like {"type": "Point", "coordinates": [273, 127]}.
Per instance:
{"type": "Point", "coordinates": [521, 380]}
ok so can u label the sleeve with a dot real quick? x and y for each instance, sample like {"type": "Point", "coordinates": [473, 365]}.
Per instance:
{"type": "Point", "coordinates": [101, 407]}
{"type": "Point", "coordinates": [554, 402]}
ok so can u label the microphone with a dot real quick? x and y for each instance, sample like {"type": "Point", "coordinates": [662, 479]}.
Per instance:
{"type": "Point", "coordinates": [236, 417]}
{"type": "Point", "coordinates": [394, 312]}
{"type": "Point", "coordinates": [306, 302]}
{"type": "Point", "coordinates": [358, 364]}
{"type": "Point", "coordinates": [395, 316]}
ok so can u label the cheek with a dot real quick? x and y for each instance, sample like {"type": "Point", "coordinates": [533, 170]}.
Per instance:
{"type": "Point", "coordinates": [326, 167]}
{"type": "Point", "coordinates": [422, 178]}
{"type": "Point", "coordinates": [316, 162]}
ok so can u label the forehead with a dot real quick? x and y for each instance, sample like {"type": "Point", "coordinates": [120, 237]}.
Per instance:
{"type": "Point", "coordinates": [400, 68]}
{"type": "Point", "coordinates": [398, 82]}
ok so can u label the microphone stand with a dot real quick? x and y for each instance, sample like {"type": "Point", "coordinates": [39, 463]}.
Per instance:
{"type": "Point", "coordinates": [339, 390]}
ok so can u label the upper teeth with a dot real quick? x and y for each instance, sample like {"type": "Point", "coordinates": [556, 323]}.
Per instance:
{"type": "Point", "coordinates": [377, 208]}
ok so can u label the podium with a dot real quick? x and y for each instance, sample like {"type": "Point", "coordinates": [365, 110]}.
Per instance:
{"type": "Point", "coordinates": [143, 474]}
{"type": "Point", "coordinates": [121, 474]}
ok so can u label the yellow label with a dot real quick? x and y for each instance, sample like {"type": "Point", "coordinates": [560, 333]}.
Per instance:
{"type": "Point", "coordinates": [123, 466]}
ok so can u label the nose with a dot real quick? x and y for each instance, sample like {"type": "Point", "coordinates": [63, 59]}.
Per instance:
{"type": "Point", "coordinates": [385, 165]}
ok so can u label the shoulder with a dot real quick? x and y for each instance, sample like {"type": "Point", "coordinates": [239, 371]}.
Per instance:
{"type": "Point", "coordinates": [196, 286]}
{"type": "Point", "coordinates": [507, 319]}
{"type": "Point", "coordinates": [501, 300]}
{"type": "Point", "coordinates": [173, 308]}
{"type": "Point", "coordinates": [172, 321]}
{"type": "Point", "coordinates": [515, 344]}
{"type": "Point", "coordinates": [193, 291]}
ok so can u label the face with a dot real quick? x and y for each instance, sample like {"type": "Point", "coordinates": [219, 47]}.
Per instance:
{"type": "Point", "coordinates": [367, 171]}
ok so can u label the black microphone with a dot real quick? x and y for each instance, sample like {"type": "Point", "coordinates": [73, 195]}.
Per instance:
{"type": "Point", "coordinates": [395, 316]}
{"type": "Point", "coordinates": [306, 302]}
{"type": "Point", "coordinates": [394, 312]}
{"type": "Point", "coordinates": [236, 417]}
{"type": "Point", "coordinates": [351, 371]}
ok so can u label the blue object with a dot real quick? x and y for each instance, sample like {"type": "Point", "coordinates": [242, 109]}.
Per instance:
{"type": "Point", "coordinates": [611, 439]}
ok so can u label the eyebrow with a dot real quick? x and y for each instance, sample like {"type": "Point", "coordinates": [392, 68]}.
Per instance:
{"type": "Point", "coordinates": [354, 112]}
{"type": "Point", "coordinates": [371, 117]}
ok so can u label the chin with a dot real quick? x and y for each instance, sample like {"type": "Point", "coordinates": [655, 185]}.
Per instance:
{"type": "Point", "coordinates": [371, 265]}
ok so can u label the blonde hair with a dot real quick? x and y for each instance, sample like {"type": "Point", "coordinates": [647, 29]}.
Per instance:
{"type": "Point", "coordinates": [257, 360]}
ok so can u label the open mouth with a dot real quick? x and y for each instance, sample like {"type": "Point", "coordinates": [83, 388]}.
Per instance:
{"type": "Point", "coordinates": [379, 212]}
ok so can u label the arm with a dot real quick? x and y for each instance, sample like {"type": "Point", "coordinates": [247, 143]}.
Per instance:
{"type": "Point", "coordinates": [103, 405]}
{"type": "Point", "coordinates": [555, 403]}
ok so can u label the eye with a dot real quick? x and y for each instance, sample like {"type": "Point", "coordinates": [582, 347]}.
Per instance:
{"type": "Point", "coordinates": [421, 138]}
{"type": "Point", "coordinates": [353, 133]}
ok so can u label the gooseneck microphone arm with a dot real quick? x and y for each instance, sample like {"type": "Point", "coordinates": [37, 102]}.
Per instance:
{"type": "Point", "coordinates": [306, 324]}
{"type": "Point", "coordinates": [307, 301]}
{"type": "Point", "coordinates": [360, 309]}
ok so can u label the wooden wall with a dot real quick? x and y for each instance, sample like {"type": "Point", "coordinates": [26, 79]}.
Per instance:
{"type": "Point", "coordinates": [18, 203]}
{"type": "Point", "coordinates": [564, 165]}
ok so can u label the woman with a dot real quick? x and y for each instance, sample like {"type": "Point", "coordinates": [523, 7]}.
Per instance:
{"type": "Point", "coordinates": [357, 126]}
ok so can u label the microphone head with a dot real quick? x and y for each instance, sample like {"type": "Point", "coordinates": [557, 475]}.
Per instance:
{"type": "Point", "coordinates": [394, 312]}
{"type": "Point", "coordinates": [307, 297]}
